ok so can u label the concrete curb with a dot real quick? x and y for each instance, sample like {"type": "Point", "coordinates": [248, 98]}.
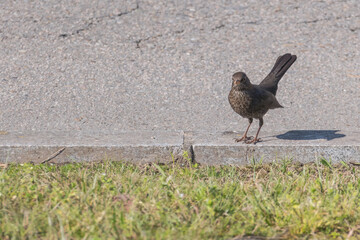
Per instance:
{"type": "Point", "coordinates": [138, 147]}
{"type": "Point", "coordinates": [162, 146]}
{"type": "Point", "coordinates": [302, 146]}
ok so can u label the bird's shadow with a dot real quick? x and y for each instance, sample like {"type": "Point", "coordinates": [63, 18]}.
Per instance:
{"type": "Point", "coordinates": [311, 135]}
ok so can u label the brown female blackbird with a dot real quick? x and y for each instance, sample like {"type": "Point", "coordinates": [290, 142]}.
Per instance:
{"type": "Point", "coordinates": [253, 101]}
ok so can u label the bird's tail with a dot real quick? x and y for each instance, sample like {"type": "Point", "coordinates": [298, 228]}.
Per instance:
{"type": "Point", "coordinates": [282, 64]}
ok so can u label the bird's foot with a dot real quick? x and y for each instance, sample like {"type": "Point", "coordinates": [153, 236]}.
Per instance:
{"type": "Point", "coordinates": [254, 141]}
{"type": "Point", "coordinates": [243, 138]}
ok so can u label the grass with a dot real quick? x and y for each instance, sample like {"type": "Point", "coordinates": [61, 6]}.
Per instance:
{"type": "Point", "coordinates": [113, 200]}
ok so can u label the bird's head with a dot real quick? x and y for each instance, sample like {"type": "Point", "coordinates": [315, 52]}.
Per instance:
{"type": "Point", "coordinates": [241, 81]}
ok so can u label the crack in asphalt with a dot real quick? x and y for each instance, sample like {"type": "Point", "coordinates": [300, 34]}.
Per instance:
{"type": "Point", "coordinates": [218, 27]}
{"type": "Point", "coordinates": [256, 22]}
{"type": "Point", "coordinates": [95, 20]}
{"type": "Point", "coordinates": [145, 39]}
{"type": "Point", "coordinates": [141, 40]}
{"type": "Point", "coordinates": [328, 19]}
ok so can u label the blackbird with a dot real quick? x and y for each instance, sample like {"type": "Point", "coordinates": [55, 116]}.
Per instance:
{"type": "Point", "coordinates": [253, 101]}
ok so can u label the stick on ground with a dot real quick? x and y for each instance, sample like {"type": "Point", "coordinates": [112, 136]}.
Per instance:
{"type": "Point", "coordinates": [54, 155]}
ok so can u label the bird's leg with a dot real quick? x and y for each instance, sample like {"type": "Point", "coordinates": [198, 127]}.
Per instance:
{"type": "Point", "coordinates": [256, 139]}
{"type": "Point", "coordinates": [244, 137]}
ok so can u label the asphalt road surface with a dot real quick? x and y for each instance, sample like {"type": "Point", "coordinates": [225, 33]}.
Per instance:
{"type": "Point", "coordinates": [166, 65]}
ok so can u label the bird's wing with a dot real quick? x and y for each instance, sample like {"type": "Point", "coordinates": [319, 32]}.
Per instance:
{"type": "Point", "coordinates": [263, 99]}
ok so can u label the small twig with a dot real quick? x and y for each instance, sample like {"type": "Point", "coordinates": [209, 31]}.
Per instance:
{"type": "Point", "coordinates": [354, 163]}
{"type": "Point", "coordinates": [54, 155]}
{"type": "Point", "coordinates": [352, 231]}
